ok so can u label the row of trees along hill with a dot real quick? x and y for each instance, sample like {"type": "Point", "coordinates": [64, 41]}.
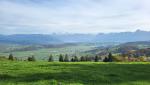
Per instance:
{"type": "Point", "coordinates": [66, 58]}
{"type": "Point", "coordinates": [96, 58]}
{"type": "Point", "coordinates": [109, 58]}
{"type": "Point", "coordinates": [75, 58]}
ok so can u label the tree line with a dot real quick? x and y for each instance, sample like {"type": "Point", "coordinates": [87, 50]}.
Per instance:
{"type": "Point", "coordinates": [66, 58]}
{"type": "Point", "coordinates": [96, 58]}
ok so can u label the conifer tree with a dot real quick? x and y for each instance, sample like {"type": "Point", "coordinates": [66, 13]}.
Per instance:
{"type": "Point", "coordinates": [33, 58]}
{"type": "Point", "coordinates": [11, 57]}
{"type": "Point", "coordinates": [66, 59]}
{"type": "Point", "coordinates": [76, 59]}
{"type": "Point", "coordinates": [50, 58]}
{"type": "Point", "coordinates": [96, 59]}
{"type": "Point", "coordinates": [105, 59]}
{"type": "Point", "coordinates": [72, 59]}
{"type": "Point", "coordinates": [110, 57]}
{"type": "Point", "coordinates": [61, 59]}
{"type": "Point", "coordinates": [82, 58]}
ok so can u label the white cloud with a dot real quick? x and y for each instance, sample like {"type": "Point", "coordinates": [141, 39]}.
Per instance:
{"type": "Point", "coordinates": [74, 16]}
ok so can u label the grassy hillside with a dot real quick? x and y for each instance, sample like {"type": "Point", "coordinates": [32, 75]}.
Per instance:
{"type": "Point", "coordinates": [85, 73]}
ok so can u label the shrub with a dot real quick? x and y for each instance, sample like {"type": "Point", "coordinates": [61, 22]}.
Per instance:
{"type": "Point", "coordinates": [143, 58]}
{"type": "Point", "coordinates": [3, 58]}
{"type": "Point", "coordinates": [31, 58]}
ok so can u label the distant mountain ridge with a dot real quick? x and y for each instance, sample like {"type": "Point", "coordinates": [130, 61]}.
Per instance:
{"type": "Point", "coordinates": [138, 35]}
{"type": "Point", "coordinates": [74, 38]}
{"type": "Point", "coordinates": [28, 39]}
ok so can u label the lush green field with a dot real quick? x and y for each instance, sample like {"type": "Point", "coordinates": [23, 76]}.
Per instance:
{"type": "Point", "coordinates": [85, 73]}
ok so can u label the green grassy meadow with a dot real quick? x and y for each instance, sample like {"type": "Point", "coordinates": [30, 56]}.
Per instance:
{"type": "Point", "coordinates": [74, 73]}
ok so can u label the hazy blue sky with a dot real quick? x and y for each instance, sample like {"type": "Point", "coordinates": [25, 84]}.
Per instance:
{"type": "Point", "coordinates": [73, 16]}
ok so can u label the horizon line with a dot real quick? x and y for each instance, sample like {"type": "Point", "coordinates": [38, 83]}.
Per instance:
{"type": "Point", "coordinates": [65, 33]}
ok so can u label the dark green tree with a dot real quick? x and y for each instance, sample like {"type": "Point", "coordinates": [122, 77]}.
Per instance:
{"type": "Point", "coordinates": [72, 60]}
{"type": "Point", "coordinates": [50, 58]}
{"type": "Point", "coordinates": [90, 58]}
{"type": "Point", "coordinates": [61, 58]}
{"type": "Point", "coordinates": [29, 59]}
{"type": "Point", "coordinates": [82, 58]}
{"type": "Point", "coordinates": [110, 57]}
{"type": "Point", "coordinates": [32, 58]}
{"type": "Point", "coordinates": [86, 58]}
{"type": "Point", "coordinates": [76, 58]}
{"type": "Point", "coordinates": [105, 59]}
{"type": "Point", "coordinates": [11, 57]}
{"type": "Point", "coordinates": [96, 58]}
{"type": "Point", "coordinates": [66, 59]}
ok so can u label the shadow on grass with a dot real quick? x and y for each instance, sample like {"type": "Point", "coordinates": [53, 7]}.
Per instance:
{"type": "Point", "coordinates": [88, 74]}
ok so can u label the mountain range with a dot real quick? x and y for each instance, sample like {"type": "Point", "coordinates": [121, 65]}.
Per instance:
{"type": "Point", "coordinates": [123, 37]}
